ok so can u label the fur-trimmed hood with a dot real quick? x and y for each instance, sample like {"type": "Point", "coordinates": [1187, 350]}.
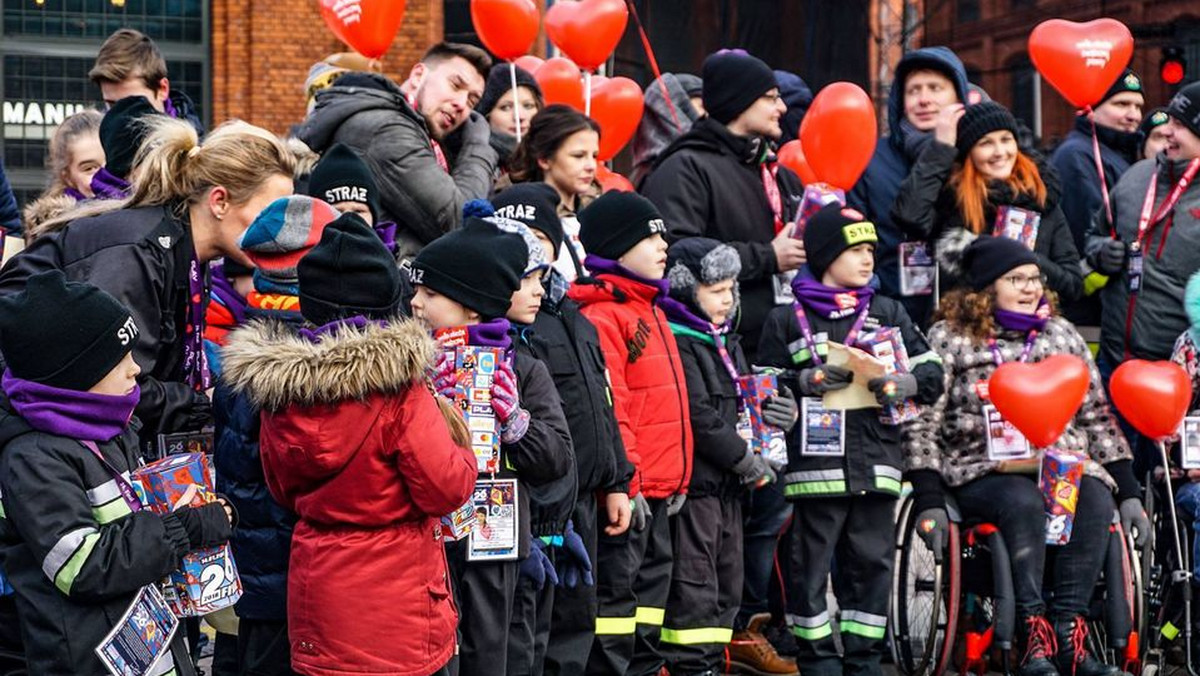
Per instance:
{"type": "Point", "coordinates": [276, 367]}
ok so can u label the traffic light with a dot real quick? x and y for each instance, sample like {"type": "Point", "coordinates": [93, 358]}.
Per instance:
{"type": "Point", "coordinates": [1172, 68]}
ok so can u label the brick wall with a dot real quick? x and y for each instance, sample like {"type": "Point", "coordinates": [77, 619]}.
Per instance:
{"type": "Point", "coordinates": [262, 50]}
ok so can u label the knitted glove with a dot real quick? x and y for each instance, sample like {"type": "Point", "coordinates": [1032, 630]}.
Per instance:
{"type": "Point", "coordinates": [816, 381]}
{"type": "Point", "coordinates": [1134, 520]}
{"type": "Point", "coordinates": [641, 513]}
{"type": "Point", "coordinates": [754, 470]}
{"type": "Point", "coordinates": [575, 563]}
{"type": "Point", "coordinates": [506, 402]}
{"type": "Point", "coordinates": [893, 389]}
{"type": "Point", "coordinates": [537, 567]}
{"type": "Point", "coordinates": [1110, 257]}
{"type": "Point", "coordinates": [675, 503]}
{"type": "Point", "coordinates": [781, 410]}
{"type": "Point", "coordinates": [443, 374]}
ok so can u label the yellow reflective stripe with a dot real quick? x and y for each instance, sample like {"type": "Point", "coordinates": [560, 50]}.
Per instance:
{"type": "Point", "coordinates": [652, 616]}
{"type": "Point", "coordinates": [718, 635]}
{"type": "Point", "coordinates": [70, 570]}
{"type": "Point", "coordinates": [888, 484]}
{"type": "Point", "coordinates": [814, 488]}
{"type": "Point", "coordinates": [852, 627]}
{"type": "Point", "coordinates": [812, 633]}
{"type": "Point", "coordinates": [615, 626]}
{"type": "Point", "coordinates": [111, 512]}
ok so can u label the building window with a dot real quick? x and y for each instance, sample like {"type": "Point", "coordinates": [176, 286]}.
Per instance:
{"type": "Point", "coordinates": [44, 78]}
{"type": "Point", "coordinates": [968, 10]}
{"type": "Point", "coordinates": [1024, 99]}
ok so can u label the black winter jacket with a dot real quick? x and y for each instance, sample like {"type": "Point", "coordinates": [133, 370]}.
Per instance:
{"type": "Point", "coordinates": [72, 549]}
{"type": "Point", "coordinates": [708, 183]}
{"type": "Point", "coordinates": [550, 502]}
{"type": "Point", "coordinates": [713, 405]}
{"type": "Point", "coordinates": [141, 257]}
{"type": "Point", "coordinates": [873, 461]}
{"type": "Point", "coordinates": [563, 339]}
{"type": "Point", "coordinates": [927, 209]}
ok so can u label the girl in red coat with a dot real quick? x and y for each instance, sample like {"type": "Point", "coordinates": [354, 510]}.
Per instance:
{"type": "Point", "coordinates": [354, 442]}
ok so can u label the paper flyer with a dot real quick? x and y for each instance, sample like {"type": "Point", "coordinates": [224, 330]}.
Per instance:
{"type": "Point", "coordinates": [494, 536]}
{"type": "Point", "coordinates": [141, 638]}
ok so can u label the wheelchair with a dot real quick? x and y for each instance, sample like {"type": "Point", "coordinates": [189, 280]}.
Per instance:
{"type": "Point", "coordinates": [1167, 593]}
{"type": "Point", "coordinates": [954, 610]}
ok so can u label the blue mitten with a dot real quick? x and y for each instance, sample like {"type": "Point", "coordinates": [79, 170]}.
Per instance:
{"type": "Point", "coordinates": [575, 562]}
{"type": "Point", "coordinates": [537, 567]}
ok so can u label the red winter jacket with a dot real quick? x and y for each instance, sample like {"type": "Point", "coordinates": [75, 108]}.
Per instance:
{"type": "Point", "coordinates": [649, 390]}
{"type": "Point", "coordinates": [353, 442]}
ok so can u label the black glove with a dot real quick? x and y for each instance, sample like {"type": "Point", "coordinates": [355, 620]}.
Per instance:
{"type": "Point", "coordinates": [207, 525]}
{"type": "Point", "coordinates": [754, 470]}
{"type": "Point", "coordinates": [1109, 259]}
{"type": "Point", "coordinates": [781, 410]}
{"type": "Point", "coordinates": [933, 525]}
{"type": "Point", "coordinates": [816, 381]}
{"type": "Point", "coordinates": [893, 389]}
{"type": "Point", "coordinates": [1134, 520]}
{"type": "Point", "coordinates": [641, 513]}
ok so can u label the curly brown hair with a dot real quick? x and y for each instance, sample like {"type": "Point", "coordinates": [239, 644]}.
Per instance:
{"type": "Point", "coordinates": [972, 313]}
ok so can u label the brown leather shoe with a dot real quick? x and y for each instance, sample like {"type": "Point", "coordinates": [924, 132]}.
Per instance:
{"type": "Point", "coordinates": [750, 653]}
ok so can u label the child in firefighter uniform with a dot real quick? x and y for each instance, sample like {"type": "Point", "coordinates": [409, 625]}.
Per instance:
{"type": "Point", "coordinates": [844, 464]}
{"type": "Point", "coordinates": [706, 582]}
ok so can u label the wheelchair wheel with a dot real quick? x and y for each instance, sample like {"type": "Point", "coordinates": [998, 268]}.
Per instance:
{"type": "Point", "coordinates": [924, 607]}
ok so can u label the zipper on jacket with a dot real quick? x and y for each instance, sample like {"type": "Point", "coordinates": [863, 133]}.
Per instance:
{"type": "Point", "coordinates": [680, 393]}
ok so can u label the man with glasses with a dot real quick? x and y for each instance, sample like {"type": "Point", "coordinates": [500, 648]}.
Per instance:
{"type": "Point", "coordinates": [721, 180]}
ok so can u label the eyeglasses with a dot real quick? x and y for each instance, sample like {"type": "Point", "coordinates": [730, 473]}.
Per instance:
{"type": "Point", "coordinates": [773, 97]}
{"type": "Point", "coordinates": [1025, 282]}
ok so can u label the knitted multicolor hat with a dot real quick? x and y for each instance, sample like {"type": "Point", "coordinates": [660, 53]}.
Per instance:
{"type": "Point", "coordinates": [280, 236]}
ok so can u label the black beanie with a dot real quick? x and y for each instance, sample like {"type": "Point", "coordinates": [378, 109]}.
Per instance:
{"type": "Point", "coordinates": [478, 266]}
{"type": "Point", "coordinates": [342, 176]}
{"type": "Point", "coordinates": [616, 222]}
{"type": "Point", "coordinates": [733, 81]}
{"type": "Point", "coordinates": [499, 80]}
{"type": "Point", "coordinates": [831, 231]}
{"type": "Point", "coordinates": [1185, 107]}
{"type": "Point", "coordinates": [987, 259]}
{"type": "Point", "coordinates": [1128, 81]}
{"type": "Point", "coordinates": [693, 261]}
{"type": "Point", "coordinates": [348, 273]}
{"type": "Point", "coordinates": [122, 131]}
{"type": "Point", "coordinates": [535, 205]}
{"type": "Point", "coordinates": [64, 334]}
{"type": "Point", "coordinates": [978, 121]}
{"type": "Point", "coordinates": [1153, 120]}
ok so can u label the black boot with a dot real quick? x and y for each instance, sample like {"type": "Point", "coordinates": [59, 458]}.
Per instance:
{"type": "Point", "coordinates": [1073, 658]}
{"type": "Point", "coordinates": [1036, 645]}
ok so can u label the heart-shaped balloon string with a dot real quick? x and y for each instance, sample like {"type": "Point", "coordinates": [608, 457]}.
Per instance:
{"type": "Point", "coordinates": [587, 31]}
{"type": "Point", "coordinates": [367, 26]}
{"type": "Point", "coordinates": [1081, 60]}
{"type": "Point", "coordinates": [1152, 395]}
{"type": "Point", "coordinates": [1040, 399]}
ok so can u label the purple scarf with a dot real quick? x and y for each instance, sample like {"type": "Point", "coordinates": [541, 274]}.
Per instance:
{"type": "Point", "coordinates": [84, 416]}
{"type": "Point", "coordinates": [386, 232]}
{"type": "Point", "coordinates": [332, 328]}
{"type": "Point", "coordinates": [169, 108]}
{"type": "Point", "coordinates": [598, 265]}
{"type": "Point", "coordinates": [74, 194]}
{"type": "Point", "coordinates": [682, 314]}
{"type": "Point", "coordinates": [1019, 321]}
{"type": "Point", "coordinates": [224, 293]}
{"type": "Point", "coordinates": [493, 333]}
{"type": "Point", "coordinates": [830, 302]}
{"type": "Point", "coordinates": [106, 186]}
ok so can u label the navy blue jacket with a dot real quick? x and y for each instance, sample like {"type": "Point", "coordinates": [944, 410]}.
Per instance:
{"type": "Point", "coordinates": [880, 183]}
{"type": "Point", "coordinates": [1076, 167]}
{"type": "Point", "coordinates": [10, 215]}
{"type": "Point", "coordinates": [262, 541]}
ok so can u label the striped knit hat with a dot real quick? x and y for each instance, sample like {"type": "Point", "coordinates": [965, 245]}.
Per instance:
{"type": "Point", "coordinates": [280, 236]}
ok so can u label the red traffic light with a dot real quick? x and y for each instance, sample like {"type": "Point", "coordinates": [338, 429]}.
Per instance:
{"type": "Point", "coordinates": [1172, 68]}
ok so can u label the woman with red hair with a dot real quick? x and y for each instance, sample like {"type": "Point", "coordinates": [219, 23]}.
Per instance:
{"type": "Point", "coordinates": [974, 181]}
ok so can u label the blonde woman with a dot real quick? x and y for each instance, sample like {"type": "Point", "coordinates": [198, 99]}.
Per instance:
{"type": "Point", "coordinates": [190, 204]}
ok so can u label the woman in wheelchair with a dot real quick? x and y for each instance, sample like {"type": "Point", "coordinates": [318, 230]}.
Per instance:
{"type": "Point", "coordinates": [962, 446]}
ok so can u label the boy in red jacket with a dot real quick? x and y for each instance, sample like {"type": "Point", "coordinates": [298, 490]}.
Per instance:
{"type": "Point", "coordinates": [623, 233]}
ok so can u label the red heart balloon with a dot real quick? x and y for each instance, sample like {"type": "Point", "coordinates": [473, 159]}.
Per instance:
{"type": "Point", "coordinates": [838, 134]}
{"type": "Point", "coordinates": [1152, 395]}
{"type": "Point", "coordinates": [368, 26]}
{"type": "Point", "coordinates": [506, 27]}
{"type": "Point", "coordinates": [1040, 399]}
{"type": "Point", "coordinates": [1081, 60]}
{"type": "Point", "coordinates": [791, 155]}
{"type": "Point", "coordinates": [617, 105]}
{"type": "Point", "coordinates": [587, 31]}
{"type": "Point", "coordinates": [611, 180]}
{"type": "Point", "coordinates": [560, 82]}
{"type": "Point", "coordinates": [529, 63]}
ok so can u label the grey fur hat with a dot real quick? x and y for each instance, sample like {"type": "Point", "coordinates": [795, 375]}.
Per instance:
{"type": "Point", "coordinates": [700, 260]}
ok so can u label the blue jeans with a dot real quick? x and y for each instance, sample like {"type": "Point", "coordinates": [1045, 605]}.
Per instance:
{"type": "Point", "coordinates": [1187, 501]}
{"type": "Point", "coordinates": [765, 511]}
